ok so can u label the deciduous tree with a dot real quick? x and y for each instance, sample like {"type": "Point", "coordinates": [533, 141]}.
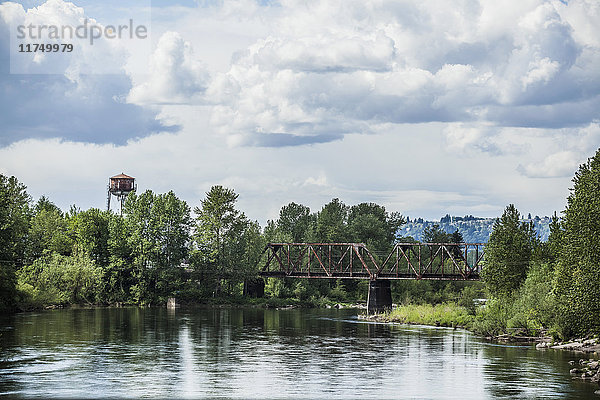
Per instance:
{"type": "Point", "coordinates": [14, 221]}
{"type": "Point", "coordinates": [577, 281]}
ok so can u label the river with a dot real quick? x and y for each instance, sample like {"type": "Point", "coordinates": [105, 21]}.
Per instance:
{"type": "Point", "coordinates": [264, 353]}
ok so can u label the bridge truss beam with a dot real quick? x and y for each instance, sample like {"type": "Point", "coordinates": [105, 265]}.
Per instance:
{"type": "Point", "coordinates": [438, 261]}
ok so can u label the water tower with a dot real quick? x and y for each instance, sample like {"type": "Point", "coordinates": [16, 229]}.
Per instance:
{"type": "Point", "coordinates": [120, 186]}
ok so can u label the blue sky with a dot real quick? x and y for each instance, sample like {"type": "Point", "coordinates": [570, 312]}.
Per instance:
{"type": "Point", "coordinates": [425, 107]}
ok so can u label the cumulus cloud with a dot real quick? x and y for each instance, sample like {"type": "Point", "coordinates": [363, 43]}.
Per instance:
{"type": "Point", "coordinates": [561, 164]}
{"type": "Point", "coordinates": [365, 63]}
{"type": "Point", "coordinates": [571, 148]}
{"type": "Point", "coordinates": [175, 75]}
{"type": "Point", "coordinates": [320, 71]}
{"type": "Point", "coordinates": [398, 102]}
{"type": "Point", "coordinates": [73, 102]}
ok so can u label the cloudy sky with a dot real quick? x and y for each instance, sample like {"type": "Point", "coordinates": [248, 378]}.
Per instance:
{"type": "Point", "coordinates": [426, 107]}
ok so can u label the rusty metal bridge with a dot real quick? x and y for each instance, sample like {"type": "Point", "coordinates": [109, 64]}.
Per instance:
{"type": "Point", "coordinates": [438, 261]}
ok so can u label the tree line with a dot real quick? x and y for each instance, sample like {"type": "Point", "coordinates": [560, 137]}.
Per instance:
{"type": "Point", "coordinates": [158, 248]}
{"type": "Point", "coordinates": [548, 287]}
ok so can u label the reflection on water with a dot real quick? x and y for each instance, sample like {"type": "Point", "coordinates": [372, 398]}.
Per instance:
{"type": "Point", "coordinates": [256, 353]}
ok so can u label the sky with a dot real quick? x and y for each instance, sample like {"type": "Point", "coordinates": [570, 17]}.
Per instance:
{"type": "Point", "coordinates": [425, 107]}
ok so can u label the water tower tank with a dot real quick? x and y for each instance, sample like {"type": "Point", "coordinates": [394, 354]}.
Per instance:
{"type": "Point", "coordinates": [120, 186]}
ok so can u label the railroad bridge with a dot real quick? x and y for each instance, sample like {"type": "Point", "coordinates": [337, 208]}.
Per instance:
{"type": "Point", "coordinates": [435, 261]}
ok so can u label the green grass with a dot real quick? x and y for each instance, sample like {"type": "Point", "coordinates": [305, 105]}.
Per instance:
{"type": "Point", "coordinates": [446, 314]}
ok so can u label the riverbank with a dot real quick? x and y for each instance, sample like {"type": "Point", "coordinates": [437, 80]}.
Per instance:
{"type": "Point", "coordinates": [225, 301]}
{"type": "Point", "coordinates": [454, 316]}
{"type": "Point", "coordinates": [445, 314]}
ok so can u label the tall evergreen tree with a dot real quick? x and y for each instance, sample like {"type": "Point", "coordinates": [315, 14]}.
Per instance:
{"type": "Point", "coordinates": [507, 253]}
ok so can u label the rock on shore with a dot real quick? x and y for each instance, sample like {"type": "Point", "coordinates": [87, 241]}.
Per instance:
{"type": "Point", "coordinates": [588, 370]}
{"type": "Point", "coordinates": [585, 346]}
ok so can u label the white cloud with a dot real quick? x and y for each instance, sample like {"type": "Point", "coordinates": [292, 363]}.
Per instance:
{"type": "Point", "coordinates": [459, 137]}
{"type": "Point", "coordinates": [62, 22]}
{"type": "Point", "coordinates": [540, 71]}
{"type": "Point", "coordinates": [320, 180]}
{"type": "Point", "coordinates": [175, 75]}
{"type": "Point", "coordinates": [328, 65]}
{"type": "Point", "coordinates": [561, 164]}
{"type": "Point", "coordinates": [424, 107]}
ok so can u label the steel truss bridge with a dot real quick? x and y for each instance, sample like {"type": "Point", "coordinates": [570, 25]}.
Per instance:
{"type": "Point", "coordinates": [437, 261]}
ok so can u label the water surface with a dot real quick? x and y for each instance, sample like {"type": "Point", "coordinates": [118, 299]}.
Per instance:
{"type": "Point", "coordinates": [257, 353]}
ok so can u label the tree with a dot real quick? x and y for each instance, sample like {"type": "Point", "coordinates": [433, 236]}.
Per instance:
{"type": "Point", "coordinates": [507, 253]}
{"type": "Point", "coordinates": [554, 239]}
{"type": "Point", "coordinates": [118, 276]}
{"type": "Point", "coordinates": [58, 279]}
{"type": "Point", "coordinates": [219, 235]}
{"type": "Point", "coordinates": [331, 222]}
{"type": "Point", "coordinates": [295, 221]}
{"type": "Point", "coordinates": [89, 230]}
{"type": "Point", "coordinates": [577, 282]}
{"type": "Point", "coordinates": [14, 221]}
{"type": "Point", "coordinates": [159, 232]}
{"type": "Point", "coordinates": [369, 223]}
{"type": "Point", "coordinates": [433, 234]}
{"type": "Point", "coordinates": [48, 231]}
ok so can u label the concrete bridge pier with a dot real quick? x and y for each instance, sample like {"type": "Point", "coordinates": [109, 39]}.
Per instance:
{"type": "Point", "coordinates": [379, 298]}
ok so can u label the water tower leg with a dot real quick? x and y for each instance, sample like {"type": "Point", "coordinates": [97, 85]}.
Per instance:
{"type": "Point", "coordinates": [380, 296]}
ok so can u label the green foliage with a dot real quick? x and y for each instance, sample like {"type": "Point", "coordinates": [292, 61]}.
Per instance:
{"type": "Point", "coordinates": [338, 293]}
{"type": "Point", "coordinates": [433, 234]}
{"type": "Point", "coordinates": [577, 280]}
{"type": "Point", "coordinates": [158, 232]}
{"type": "Point", "coordinates": [331, 223]}
{"type": "Point", "coordinates": [14, 221]}
{"type": "Point", "coordinates": [434, 292]}
{"type": "Point", "coordinates": [227, 244]}
{"type": "Point", "coordinates": [529, 311]}
{"type": "Point", "coordinates": [89, 231]}
{"type": "Point", "coordinates": [118, 276]}
{"type": "Point", "coordinates": [491, 320]}
{"type": "Point", "coordinates": [278, 288]}
{"type": "Point", "coordinates": [446, 314]}
{"type": "Point", "coordinates": [295, 221]}
{"type": "Point", "coordinates": [508, 253]}
{"type": "Point", "coordinates": [304, 290]}
{"type": "Point", "coordinates": [470, 295]}
{"type": "Point", "coordinates": [369, 223]}
{"type": "Point", "coordinates": [48, 231]}
{"type": "Point", "coordinates": [58, 279]}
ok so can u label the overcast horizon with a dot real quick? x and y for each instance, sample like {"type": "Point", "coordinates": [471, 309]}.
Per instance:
{"type": "Point", "coordinates": [426, 108]}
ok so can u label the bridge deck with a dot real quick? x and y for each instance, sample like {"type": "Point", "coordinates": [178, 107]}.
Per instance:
{"type": "Point", "coordinates": [435, 261]}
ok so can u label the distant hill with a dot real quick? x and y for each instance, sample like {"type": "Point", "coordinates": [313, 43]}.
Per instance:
{"type": "Point", "coordinates": [473, 229]}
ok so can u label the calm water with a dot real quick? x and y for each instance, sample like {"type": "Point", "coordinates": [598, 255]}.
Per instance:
{"type": "Point", "coordinates": [256, 353]}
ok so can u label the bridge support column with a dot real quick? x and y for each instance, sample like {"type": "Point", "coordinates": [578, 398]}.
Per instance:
{"type": "Point", "coordinates": [380, 296]}
{"type": "Point", "coordinates": [254, 287]}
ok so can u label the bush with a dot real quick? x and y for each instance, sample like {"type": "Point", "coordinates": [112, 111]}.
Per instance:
{"type": "Point", "coordinates": [446, 314]}
{"type": "Point", "coordinates": [530, 311]}
{"type": "Point", "coordinates": [491, 319]}
{"type": "Point", "coordinates": [338, 293]}
{"type": "Point", "coordinates": [57, 279]}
